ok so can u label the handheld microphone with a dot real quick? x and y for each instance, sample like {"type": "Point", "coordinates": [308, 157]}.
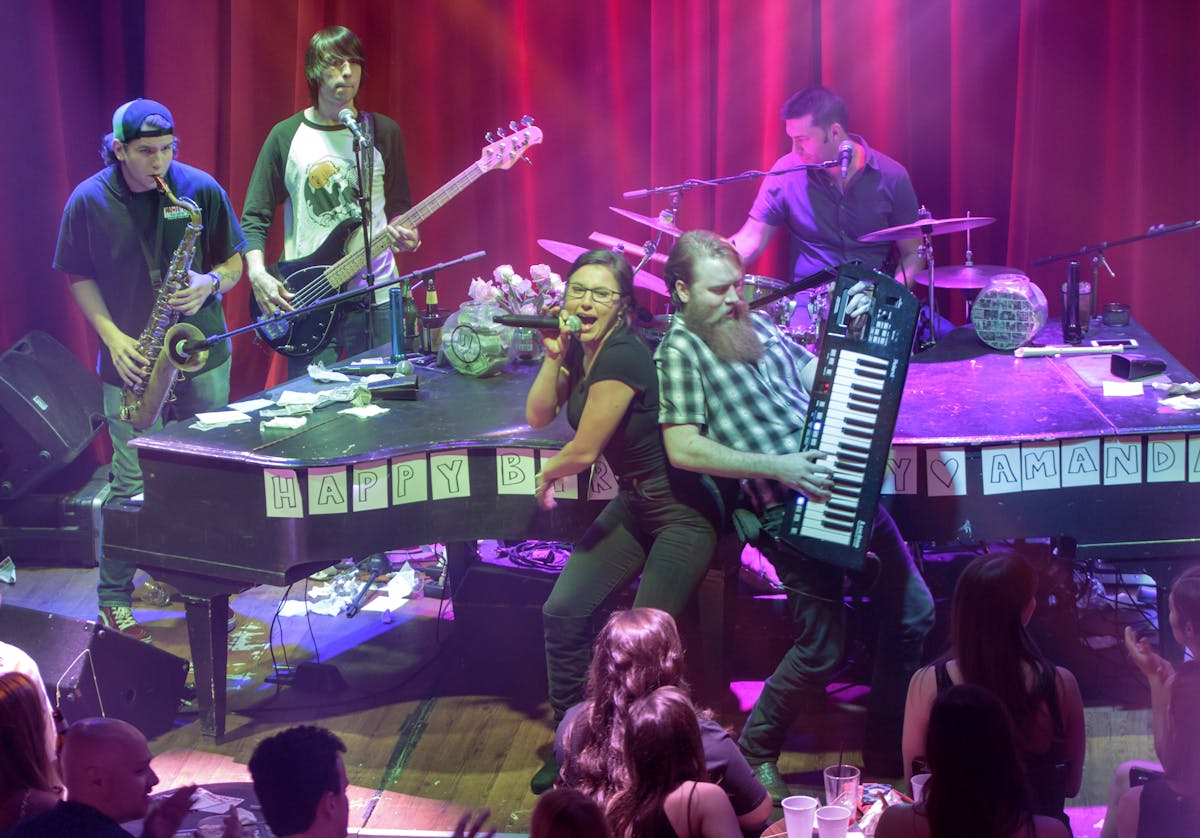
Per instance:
{"type": "Point", "coordinates": [348, 119]}
{"type": "Point", "coordinates": [845, 155]}
{"type": "Point", "coordinates": [532, 321]}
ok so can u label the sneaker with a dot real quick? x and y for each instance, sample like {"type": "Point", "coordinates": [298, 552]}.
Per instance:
{"type": "Point", "coordinates": [544, 779]}
{"type": "Point", "coordinates": [120, 618]}
{"type": "Point", "coordinates": [768, 774]}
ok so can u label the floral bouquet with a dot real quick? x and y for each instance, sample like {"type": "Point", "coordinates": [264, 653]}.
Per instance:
{"type": "Point", "coordinates": [516, 294]}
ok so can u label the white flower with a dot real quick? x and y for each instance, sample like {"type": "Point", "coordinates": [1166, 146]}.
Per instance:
{"type": "Point", "coordinates": [539, 273]}
{"type": "Point", "coordinates": [482, 291]}
{"type": "Point", "coordinates": [521, 286]}
{"type": "Point", "coordinates": [503, 273]}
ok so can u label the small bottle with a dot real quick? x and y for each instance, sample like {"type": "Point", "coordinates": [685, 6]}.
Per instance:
{"type": "Point", "coordinates": [396, 320]}
{"type": "Point", "coordinates": [1071, 328]}
{"type": "Point", "coordinates": [412, 331]}
{"type": "Point", "coordinates": [432, 319]}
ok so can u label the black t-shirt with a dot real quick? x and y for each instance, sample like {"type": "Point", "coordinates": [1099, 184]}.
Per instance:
{"type": "Point", "coordinates": [635, 450]}
{"type": "Point", "coordinates": [107, 231]}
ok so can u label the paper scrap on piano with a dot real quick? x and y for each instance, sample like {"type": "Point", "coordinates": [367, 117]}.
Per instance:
{"type": "Point", "coordinates": [1181, 402]}
{"type": "Point", "coordinates": [1123, 388]}
{"type": "Point", "coordinates": [8, 571]}
{"type": "Point", "coordinates": [318, 373]}
{"type": "Point", "coordinates": [293, 397]}
{"type": "Point", "coordinates": [286, 422]}
{"type": "Point", "coordinates": [1177, 388]}
{"type": "Point", "coordinates": [365, 411]}
{"type": "Point", "coordinates": [219, 419]}
{"type": "Point", "coordinates": [251, 405]}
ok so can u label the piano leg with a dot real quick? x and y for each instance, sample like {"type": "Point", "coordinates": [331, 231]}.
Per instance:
{"type": "Point", "coordinates": [207, 635]}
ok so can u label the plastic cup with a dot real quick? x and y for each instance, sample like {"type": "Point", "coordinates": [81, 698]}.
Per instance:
{"type": "Point", "coordinates": [211, 827]}
{"type": "Point", "coordinates": [799, 811]}
{"type": "Point", "coordinates": [917, 786]}
{"type": "Point", "coordinates": [841, 786]}
{"type": "Point", "coordinates": [833, 821]}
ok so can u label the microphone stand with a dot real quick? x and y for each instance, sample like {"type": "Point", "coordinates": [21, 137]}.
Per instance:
{"type": "Point", "coordinates": [692, 183]}
{"type": "Point", "coordinates": [361, 150]}
{"type": "Point", "coordinates": [190, 347]}
{"type": "Point", "coordinates": [1096, 252]}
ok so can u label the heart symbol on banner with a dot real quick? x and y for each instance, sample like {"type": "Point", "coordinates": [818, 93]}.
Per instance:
{"type": "Point", "coordinates": [944, 471]}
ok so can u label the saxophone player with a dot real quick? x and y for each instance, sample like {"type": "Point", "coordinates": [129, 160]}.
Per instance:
{"type": "Point", "coordinates": [116, 243]}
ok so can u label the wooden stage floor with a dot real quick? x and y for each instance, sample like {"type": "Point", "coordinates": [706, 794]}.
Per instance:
{"type": "Point", "coordinates": [439, 722]}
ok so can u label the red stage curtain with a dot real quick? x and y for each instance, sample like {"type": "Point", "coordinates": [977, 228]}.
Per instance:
{"type": "Point", "coordinates": [1071, 122]}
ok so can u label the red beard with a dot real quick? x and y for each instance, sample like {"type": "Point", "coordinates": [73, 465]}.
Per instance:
{"type": "Point", "coordinates": [730, 338]}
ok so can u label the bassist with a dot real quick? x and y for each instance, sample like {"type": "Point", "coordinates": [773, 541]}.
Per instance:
{"type": "Point", "coordinates": [307, 165]}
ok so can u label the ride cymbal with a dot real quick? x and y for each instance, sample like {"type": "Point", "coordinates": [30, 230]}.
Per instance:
{"type": "Point", "coordinates": [932, 226]}
{"type": "Point", "coordinates": [660, 224]}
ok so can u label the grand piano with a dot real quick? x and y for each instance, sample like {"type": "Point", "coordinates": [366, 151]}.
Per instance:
{"type": "Point", "coordinates": [986, 447]}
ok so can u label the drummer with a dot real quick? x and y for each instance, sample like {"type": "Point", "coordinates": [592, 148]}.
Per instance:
{"type": "Point", "coordinates": [825, 214]}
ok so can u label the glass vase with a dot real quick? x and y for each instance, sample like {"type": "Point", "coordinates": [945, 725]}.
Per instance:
{"type": "Point", "coordinates": [527, 346]}
{"type": "Point", "coordinates": [474, 345]}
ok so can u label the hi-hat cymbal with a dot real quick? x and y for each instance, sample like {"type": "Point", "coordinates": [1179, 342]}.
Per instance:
{"type": "Point", "coordinates": [634, 251]}
{"type": "Point", "coordinates": [660, 224]}
{"type": "Point", "coordinates": [932, 226]}
{"type": "Point", "coordinates": [570, 252]}
{"type": "Point", "coordinates": [965, 277]}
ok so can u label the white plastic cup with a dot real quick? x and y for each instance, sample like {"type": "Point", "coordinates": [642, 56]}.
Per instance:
{"type": "Point", "coordinates": [832, 821]}
{"type": "Point", "coordinates": [841, 786]}
{"type": "Point", "coordinates": [917, 786]}
{"type": "Point", "coordinates": [799, 812]}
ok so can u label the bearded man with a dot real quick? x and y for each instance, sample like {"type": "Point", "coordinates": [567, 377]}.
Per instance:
{"type": "Point", "coordinates": [733, 400]}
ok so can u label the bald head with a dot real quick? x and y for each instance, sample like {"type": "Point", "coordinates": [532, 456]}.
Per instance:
{"type": "Point", "coordinates": [106, 765]}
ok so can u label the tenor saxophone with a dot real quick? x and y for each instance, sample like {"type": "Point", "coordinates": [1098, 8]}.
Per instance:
{"type": "Point", "coordinates": [163, 338]}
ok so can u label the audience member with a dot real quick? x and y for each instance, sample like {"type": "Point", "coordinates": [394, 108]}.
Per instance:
{"type": "Point", "coordinates": [1167, 803]}
{"type": "Point", "coordinates": [28, 779]}
{"type": "Point", "coordinates": [13, 659]}
{"type": "Point", "coordinates": [637, 652]}
{"type": "Point", "coordinates": [105, 764]}
{"type": "Point", "coordinates": [991, 647]}
{"type": "Point", "coordinates": [301, 783]}
{"type": "Point", "coordinates": [1184, 605]}
{"type": "Point", "coordinates": [667, 794]}
{"type": "Point", "coordinates": [978, 787]}
{"type": "Point", "coordinates": [567, 813]}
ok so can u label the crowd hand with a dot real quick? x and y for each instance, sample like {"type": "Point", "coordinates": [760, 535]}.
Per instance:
{"type": "Point", "coordinates": [1151, 664]}
{"type": "Point", "coordinates": [860, 301]}
{"type": "Point", "coordinates": [472, 829]}
{"type": "Point", "coordinates": [131, 365]}
{"type": "Point", "coordinates": [188, 301]}
{"type": "Point", "coordinates": [167, 813]}
{"type": "Point", "coordinates": [271, 294]}
{"type": "Point", "coordinates": [806, 472]}
{"type": "Point", "coordinates": [403, 238]}
{"type": "Point", "coordinates": [545, 493]}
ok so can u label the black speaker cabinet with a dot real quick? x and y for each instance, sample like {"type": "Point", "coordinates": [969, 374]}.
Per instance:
{"type": "Point", "coordinates": [51, 406]}
{"type": "Point", "coordinates": [92, 671]}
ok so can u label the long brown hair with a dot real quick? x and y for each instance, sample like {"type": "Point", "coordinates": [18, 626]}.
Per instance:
{"type": "Point", "coordinates": [24, 749]}
{"type": "Point", "coordinates": [1182, 757]}
{"type": "Point", "coordinates": [662, 750]}
{"type": "Point", "coordinates": [636, 652]}
{"type": "Point", "coordinates": [990, 641]}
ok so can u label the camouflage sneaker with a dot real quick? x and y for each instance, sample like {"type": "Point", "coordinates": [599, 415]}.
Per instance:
{"type": "Point", "coordinates": [120, 618]}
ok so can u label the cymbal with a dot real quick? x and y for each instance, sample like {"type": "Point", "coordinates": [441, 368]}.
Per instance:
{"type": "Point", "coordinates": [933, 226]}
{"type": "Point", "coordinates": [570, 252]}
{"type": "Point", "coordinates": [658, 224]}
{"type": "Point", "coordinates": [965, 277]}
{"type": "Point", "coordinates": [634, 251]}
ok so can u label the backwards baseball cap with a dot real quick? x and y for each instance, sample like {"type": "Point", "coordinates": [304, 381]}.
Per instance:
{"type": "Point", "coordinates": [128, 119]}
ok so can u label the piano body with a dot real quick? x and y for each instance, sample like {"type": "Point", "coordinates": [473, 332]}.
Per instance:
{"type": "Point", "coordinates": [986, 447]}
{"type": "Point", "coordinates": [239, 506]}
{"type": "Point", "coordinates": [991, 447]}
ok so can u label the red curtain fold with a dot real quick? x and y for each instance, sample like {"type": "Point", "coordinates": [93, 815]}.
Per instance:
{"type": "Point", "coordinates": [1070, 122]}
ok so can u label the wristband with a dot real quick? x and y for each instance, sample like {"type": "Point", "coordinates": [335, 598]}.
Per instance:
{"type": "Point", "coordinates": [216, 283]}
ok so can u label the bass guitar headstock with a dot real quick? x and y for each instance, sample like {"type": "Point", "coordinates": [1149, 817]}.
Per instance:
{"type": "Point", "coordinates": [504, 149]}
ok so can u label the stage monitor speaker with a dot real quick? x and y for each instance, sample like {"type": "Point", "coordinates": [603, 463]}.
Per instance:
{"type": "Point", "coordinates": [92, 671]}
{"type": "Point", "coordinates": [51, 407]}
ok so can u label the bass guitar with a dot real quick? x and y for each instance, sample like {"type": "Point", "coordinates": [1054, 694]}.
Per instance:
{"type": "Point", "coordinates": [323, 272]}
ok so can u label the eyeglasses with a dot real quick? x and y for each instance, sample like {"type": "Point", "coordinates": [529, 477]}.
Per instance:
{"type": "Point", "coordinates": [600, 296]}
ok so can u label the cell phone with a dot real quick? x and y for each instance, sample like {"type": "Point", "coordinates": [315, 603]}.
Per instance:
{"type": "Point", "coordinates": [1129, 343]}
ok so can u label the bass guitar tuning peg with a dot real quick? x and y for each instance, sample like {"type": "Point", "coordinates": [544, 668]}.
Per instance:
{"type": "Point", "coordinates": [490, 137]}
{"type": "Point", "coordinates": [513, 126]}
{"type": "Point", "coordinates": [527, 120]}
{"type": "Point", "coordinates": [501, 131]}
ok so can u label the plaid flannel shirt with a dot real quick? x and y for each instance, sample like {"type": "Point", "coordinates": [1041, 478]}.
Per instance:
{"type": "Point", "coordinates": [758, 407]}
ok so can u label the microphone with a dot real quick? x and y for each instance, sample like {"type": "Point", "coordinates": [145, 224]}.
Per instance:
{"type": "Point", "coordinates": [845, 155]}
{"type": "Point", "coordinates": [532, 321]}
{"type": "Point", "coordinates": [347, 117]}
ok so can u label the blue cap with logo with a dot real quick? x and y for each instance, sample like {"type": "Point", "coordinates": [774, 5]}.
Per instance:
{"type": "Point", "coordinates": [128, 119]}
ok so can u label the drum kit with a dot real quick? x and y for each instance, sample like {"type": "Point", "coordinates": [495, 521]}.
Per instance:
{"type": "Point", "coordinates": [801, 322]}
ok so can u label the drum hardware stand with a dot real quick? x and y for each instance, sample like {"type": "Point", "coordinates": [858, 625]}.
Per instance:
{"type": "Point", "coordinates": [1096, 253]}
{"type": "Point", "coordinates": [925, 250]}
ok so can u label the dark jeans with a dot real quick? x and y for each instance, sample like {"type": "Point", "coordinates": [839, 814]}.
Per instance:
{"type": "Point", "coordinates": [815, 606]}
{"type": "Point", "coordinates": [665, 529]}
